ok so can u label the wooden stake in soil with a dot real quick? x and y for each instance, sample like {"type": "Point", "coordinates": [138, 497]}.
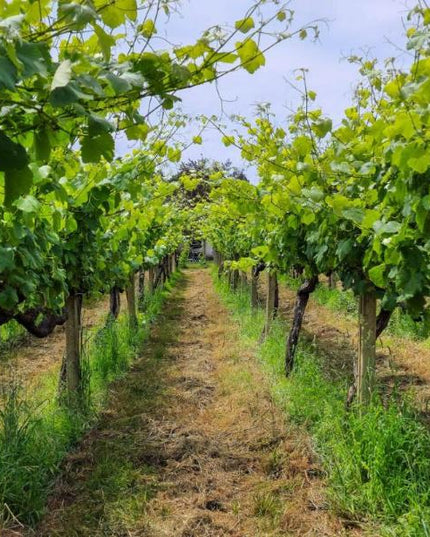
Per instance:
{"type": "Point", "coordinates": [141, 289]}
{"type": "Point", "coordinates": [130, 292]}
{"type": "Point", "coordinates": [302, 299]}
{"type": "Point", "coordinates": [366, 346]}
{"type": "Point", "coordinates": [235, 277]}
{"type": "Point", "coordinates": [72, 373]}
{"type": "Point", "coordinates": [272, 298]}
{"type": "Point", "coordinates": [254, 287]}
{"type": "Point", "coordinates": [151, 277]}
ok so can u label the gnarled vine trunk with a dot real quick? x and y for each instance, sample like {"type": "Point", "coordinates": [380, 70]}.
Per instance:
{"type": "Point", "coordinates": [302, 299]}
{"type": "Point", "coordinates": [382, 321]}
{"type": "Point", "coordinates": [114, 302]}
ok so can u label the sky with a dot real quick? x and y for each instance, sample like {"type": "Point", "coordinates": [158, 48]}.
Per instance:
{"type": "Point", "coordinates": [373, 27]}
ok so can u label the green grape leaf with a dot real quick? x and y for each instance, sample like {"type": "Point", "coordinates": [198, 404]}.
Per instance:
{"type": "Point", "coordinates": [245, 25]}
{"type": "Point", "coordinates": [8, 74]}
{"type": "Point", "coordinates": [8, 298]}
{"type": "Point", "coordinates": [377, 275]}
{"type": "Point", "coordinates": [28, 204]}
{"type": "Point", "coordinates": [13, 156]}
{"type": "Point", "coordinates": [322, 127]}
{"type": "Point", "coordinates": [106, 41]}
{"type": "Point", "coordinates": [42, 145]}
{"type": "Point", "coordinates": [6, 258]}
{"type": "Point", "coordinates": [250, 55]}
{"type": "Point", "coordinates": [17, 182]}
{"type": "Point", "coordinates": [62, 75]}
{"type": "Point", "coordinates": [95, 147]}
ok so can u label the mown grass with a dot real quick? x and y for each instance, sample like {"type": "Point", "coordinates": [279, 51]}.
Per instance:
{"type": "Point", "coordinates": [37, 430]}
{"type": "Point", "coordinates": [376, 460]}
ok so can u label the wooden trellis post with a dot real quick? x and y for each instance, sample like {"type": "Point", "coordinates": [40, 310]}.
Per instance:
{"type": "Point", "coordinates": [271, 302]}
{"type": "Point", "coordinates": [366, 358]}
{"type": "Point", "coordinates": [254, 287]}
{"type": "Point", "coordinates": [130, 292]}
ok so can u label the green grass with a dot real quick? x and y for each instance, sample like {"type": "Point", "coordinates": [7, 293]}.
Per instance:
{"type": "Point", "coordinates": [376, 460]}
{"type": "Point", "coordinates": [11, 334]}
{"type": "Point", "coordinates": [37, 431]}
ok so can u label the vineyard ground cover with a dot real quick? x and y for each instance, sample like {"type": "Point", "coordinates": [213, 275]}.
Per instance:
{"type": "Point", "coordinates": [376, 462]}
{"type": "Point", "coordinates": [26, 357]}
{"type": "Point", "coordinates": [403, 363]}
{"type": "Point", "coordinates": [36, 431]}
{"type": "Point", "coordinates": [191, 443]}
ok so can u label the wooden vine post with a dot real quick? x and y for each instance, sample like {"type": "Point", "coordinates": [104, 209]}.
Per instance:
{"type": "Point", "coordinates": [141, 288]}
{"type": "Point", "coordinates": [130, 292]}
{"type": "Point", "coordinates": [365, 370]}
{"type": "Point", "coordinates": [254, 287]}
{"type": "Point", "coordinates": [71, 370]}
{"type": "Point", "coordinates": [271, 302]}
{"type": "Point", "coordinates": [151, 278]}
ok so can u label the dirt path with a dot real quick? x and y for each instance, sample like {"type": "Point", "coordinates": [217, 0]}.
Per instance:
{"type": "Point", "coordinates": [191, 444]}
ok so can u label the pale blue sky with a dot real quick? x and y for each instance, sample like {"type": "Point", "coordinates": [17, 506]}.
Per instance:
{"type": "Point", "coordinates": [353, 26]}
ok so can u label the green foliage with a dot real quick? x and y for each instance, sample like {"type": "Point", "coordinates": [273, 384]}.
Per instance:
{"type": "Point", "coordinates": [350, 199]}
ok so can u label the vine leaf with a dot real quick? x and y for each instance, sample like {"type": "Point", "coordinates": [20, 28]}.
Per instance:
{"type": "Point", "coordinates": [95, 147]}
{"type": "Point", "coordinates": [62, 75]}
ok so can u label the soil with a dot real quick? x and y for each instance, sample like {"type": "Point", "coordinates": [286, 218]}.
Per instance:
{"type": "Point", "coordinates": [191, 444]}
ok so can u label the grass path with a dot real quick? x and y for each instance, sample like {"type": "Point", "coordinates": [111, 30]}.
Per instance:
{"type": "Point", "coordinates": [191, 443]}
